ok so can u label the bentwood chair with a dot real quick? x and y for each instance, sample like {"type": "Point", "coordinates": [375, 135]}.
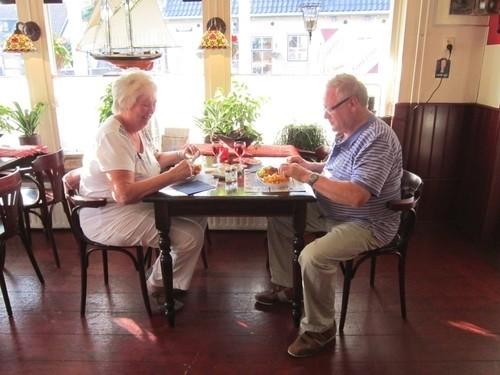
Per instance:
{"type": "Point", "coordinates": [411, 187]}
{"type": "Point", "coordinates": [11, 224]}
{"type": "Point", "coordinates": [44, 191]}
{"type": "Point", "coordinates": [76, 202]}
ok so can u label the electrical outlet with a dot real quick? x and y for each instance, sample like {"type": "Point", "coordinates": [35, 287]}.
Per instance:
{"type": "Point", "coordinates": [449, 40]}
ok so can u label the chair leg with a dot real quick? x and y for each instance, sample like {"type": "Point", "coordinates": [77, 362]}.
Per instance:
{"type": "Point", "coordinates": [207, 245]}
{"type": "Point", "coordinates": [372, 271]}
{"type": "Point", "coordinates": [402, 292]}
{"type": "Point", "coordinates": [345, 295]}
{"type": "Point", "coordinates": [148, 257]}
{"type": "Point", "coordinates": [142, 278]}
{"type": "Point", "coordinates": [204, 256]}
{"type": "Point", "coordinates": [67, 211]}
{"type": "Point", "coordinates": [105, 266]}
{"type": "Point", "coordinates": [27, 225]}
{"type": "Point", "coordinates": [3, 285]}
{"type": "Point", "coordinates": [84, 260]}
{"type": "Point", "coordinates": [50, 235]}
{"type": "Point", "coordinates": [29, 250]}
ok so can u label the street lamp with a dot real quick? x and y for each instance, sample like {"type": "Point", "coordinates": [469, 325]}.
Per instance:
{"type": "Point", "coordinates": [310, 16]}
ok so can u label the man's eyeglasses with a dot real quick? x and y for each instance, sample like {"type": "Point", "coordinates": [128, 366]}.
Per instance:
{"type": "Point", "coordinates": [335, 106]}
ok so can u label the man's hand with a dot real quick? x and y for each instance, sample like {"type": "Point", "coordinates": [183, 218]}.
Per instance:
{"type": "Point", "coordinates": [295, 171]}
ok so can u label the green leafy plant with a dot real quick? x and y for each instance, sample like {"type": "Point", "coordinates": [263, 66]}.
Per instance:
{"type": "Point", "coordinates": [25, 121]}
{"type": "Point", "coordinates": [62, 52]}
{"type": "Point", "coordinates": [105, 109]}
{"type": "Point", "coordinates": [232, 115]}
{"type": "Point", "coordinates": [307, 137]}
{"type": "Point", "coordinates": [5, 125]}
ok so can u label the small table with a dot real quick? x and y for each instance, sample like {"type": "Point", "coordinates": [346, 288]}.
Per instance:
{"type": "Point", "coordinates": [9, 162]}
{"type": "Point", "coordinates": [219, 202]}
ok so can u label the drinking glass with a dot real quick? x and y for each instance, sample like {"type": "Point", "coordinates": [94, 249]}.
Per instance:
{"type": "Point", "coordinates": [217, 147]}
{"type": "Point", "coordinates": [239, 149]}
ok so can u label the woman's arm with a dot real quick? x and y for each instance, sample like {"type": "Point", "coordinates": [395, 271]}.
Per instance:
{"type": "Point", "coordinates": [166, 159]}
{"type": "Point", "coordinates": [126, 190]}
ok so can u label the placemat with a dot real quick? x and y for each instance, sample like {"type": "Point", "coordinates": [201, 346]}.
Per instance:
{"type": "Point", "coordinates": [192, 187]}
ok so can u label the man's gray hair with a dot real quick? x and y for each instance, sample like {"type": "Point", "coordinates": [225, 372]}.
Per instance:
{"type": "Point", "coordinates": [129, 87]}
{"type": "Point", "coordinates": [348, 85]}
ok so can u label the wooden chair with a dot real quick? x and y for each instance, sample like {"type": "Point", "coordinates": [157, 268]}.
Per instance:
{"type": "Point", "coordinates": [411, 187]}
{"type": "Point", "coordinates": [11, 224]}
{"type": "Point", "coordinates": [76, 202]}
{"type": "Point", "coordinates": [43, 193]}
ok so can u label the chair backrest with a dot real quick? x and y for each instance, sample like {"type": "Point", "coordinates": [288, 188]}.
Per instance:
{"type": "Point", "coordinates": [11, 204]}
{"type": "Point", "coordinates": [71, 185]}
{"type": "Point", "coordinates": [50, 168]}
{"type": "Point", "coordinates": [411, 189]}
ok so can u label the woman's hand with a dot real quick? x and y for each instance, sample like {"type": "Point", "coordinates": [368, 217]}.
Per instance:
{"type": "Point", "coordinates": [181, 171]}
{"type": "Point", "coordinates": [190, 152]}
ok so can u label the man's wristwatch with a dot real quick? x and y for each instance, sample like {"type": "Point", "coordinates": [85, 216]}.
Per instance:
{"type": "Point", "coordinates": [313, 177]}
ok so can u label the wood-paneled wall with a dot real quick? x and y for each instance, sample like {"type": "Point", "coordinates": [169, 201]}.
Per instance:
{"type": "Point", "coordinates": [455, 148]}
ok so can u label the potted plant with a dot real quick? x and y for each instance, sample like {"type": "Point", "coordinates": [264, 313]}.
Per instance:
{"type": "Point", "coordinates": [106, 104]}
{"type": "Point", "coordinates": [62, 53]}
{"type": "Point", "coordinates": [5, 126]}
{"type": "Point", "coordinates": [26, 122]}
{"type": "Point", "coordinates": [231, 117]}
{"type": "Point", "coordinates": [309, 139]}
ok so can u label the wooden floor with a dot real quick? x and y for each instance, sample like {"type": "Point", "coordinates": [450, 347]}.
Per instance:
{"type": "Point", "coordinates": [453, 324]}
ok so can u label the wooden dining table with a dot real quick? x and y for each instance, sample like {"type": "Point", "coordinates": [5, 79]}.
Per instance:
{"type": "Point", "coordinates": [238, 201]}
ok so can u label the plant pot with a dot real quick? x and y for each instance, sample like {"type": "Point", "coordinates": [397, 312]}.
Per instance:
{"type": "Point", "coordinates": [30, 139]}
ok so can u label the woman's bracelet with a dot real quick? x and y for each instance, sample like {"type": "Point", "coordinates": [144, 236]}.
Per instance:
{"type": "Point", "coordinates": [180, 155]}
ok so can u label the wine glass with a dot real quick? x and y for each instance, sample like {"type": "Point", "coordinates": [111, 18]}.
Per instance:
{"type": "Point", "coordinates": [239, 148]}
{"type": "Point", "coordinates": [217, 147]}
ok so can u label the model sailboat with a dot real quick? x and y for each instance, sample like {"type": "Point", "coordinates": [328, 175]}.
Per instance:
{"type": "Point", "coordinates": [127, 33]}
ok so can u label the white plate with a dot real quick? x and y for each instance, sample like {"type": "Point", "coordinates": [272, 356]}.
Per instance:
{"type": "Point", "coordinates": [279, 185]}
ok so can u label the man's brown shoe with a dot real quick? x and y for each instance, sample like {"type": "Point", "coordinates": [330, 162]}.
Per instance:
{"type": "Point", "coordinates": [310, 343]}
{"type": "Point", "coordinates": [277, 294]}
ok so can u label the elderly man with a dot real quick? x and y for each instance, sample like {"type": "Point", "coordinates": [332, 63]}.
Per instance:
{"type": "Point", "coordinates": [361, 174]}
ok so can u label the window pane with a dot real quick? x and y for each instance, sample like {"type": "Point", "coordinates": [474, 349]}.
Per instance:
{"type": "Point", "coordinates": [180, 66]}
{"type": "Point", "coordinates": [13, 84]}
{"type": "Point", "coordinates": [356, 42]}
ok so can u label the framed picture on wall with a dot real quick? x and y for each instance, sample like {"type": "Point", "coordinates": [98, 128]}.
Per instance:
{"type": "Point", "coordinates": [461, 7]}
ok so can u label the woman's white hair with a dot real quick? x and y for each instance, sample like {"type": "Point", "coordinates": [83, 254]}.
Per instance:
{"type": "Point", "coordinates": [348, 85]}
{"type": "Point", "coordinates": [129, 87]}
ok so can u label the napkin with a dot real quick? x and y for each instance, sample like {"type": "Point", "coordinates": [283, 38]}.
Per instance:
{"type": "Point", "coordinates": [192, 187]}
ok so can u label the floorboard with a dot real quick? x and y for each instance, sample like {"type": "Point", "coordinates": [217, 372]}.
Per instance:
{"type": "Point", "coordinates": [453, 324]}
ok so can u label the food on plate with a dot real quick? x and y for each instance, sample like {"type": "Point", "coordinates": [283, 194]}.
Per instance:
{"type": "Point", "coordinates": [250, 161]}
{"type": "Point", "coordinates": [196, 169]}
{"type": "Point", "coordinates": [271, 176]}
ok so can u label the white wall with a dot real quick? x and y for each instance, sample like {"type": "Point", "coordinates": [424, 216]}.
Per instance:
{"type": "Point", "coordinates": [489, 86]}
{"type": "Point", "coordinates": [428, 26]}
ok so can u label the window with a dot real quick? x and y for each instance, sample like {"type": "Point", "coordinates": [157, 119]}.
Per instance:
{"type": "Point", "coordinates": [180, 66]}
{"type": "Point", "coordinates": [262, 55]}
{"type": "Point", "coordinates": [14, 86]}
{"type": "Point", "coordinates": [291, 71]}
{"type": "Point", "coordinates": [298, 47]}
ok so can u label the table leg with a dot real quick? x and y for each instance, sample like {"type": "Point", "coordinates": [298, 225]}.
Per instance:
{"type": "Point", "coordinates": [166, 270]}
{"type": "Point", "coordinates": [299, 221]}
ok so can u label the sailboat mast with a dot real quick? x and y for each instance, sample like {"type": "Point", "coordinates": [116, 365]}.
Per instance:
{"type": "Point", "coordinates": [129, 26]}
{"type": "Point", "coordinates": [105, 16]}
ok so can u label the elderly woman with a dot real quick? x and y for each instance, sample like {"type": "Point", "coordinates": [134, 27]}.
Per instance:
{"type": "Point", "coordinates": [125, 167]}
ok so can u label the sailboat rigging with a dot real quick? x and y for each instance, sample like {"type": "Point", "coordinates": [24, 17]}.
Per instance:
{"type": "Point", "coordinates": [126, 33]}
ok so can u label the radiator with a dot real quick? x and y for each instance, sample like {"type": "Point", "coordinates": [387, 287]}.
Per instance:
{"type": "Point", "coordinates": [214, 223]}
